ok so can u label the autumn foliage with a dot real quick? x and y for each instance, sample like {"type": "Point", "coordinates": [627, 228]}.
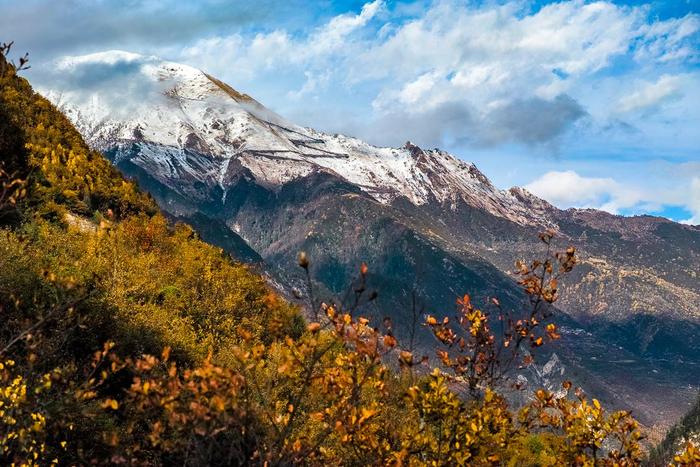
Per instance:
{"type": "Point", "coordinates": [127, 340]}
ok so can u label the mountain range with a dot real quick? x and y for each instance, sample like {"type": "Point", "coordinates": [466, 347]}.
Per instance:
{"type": "Point", "coordinates": [430, 227]}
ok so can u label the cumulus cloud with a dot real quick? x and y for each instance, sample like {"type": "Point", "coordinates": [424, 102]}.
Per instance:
{"type": "Point", "coordinates": [670, 40]}
{"type": "Point", "coordinates": [515, 76]}
{"type": "Point", "coordinates": [519, 74]}
{"type": "Point", "coordinates": [48, 27]}
{"type": "Point", "coordinates": [569, 189]}
{"type": "Point", "coordinates": [279, 48]}
{"type": "Point", "coordinates": [573, 37]}
{"type": "Point", "coordinates": [332, 35]}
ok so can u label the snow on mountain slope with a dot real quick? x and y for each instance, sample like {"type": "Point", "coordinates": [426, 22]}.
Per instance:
{"type": "Point", "coordinates": [189, 124]}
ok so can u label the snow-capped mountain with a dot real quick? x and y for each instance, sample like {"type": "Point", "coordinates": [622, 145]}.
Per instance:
{"type": "Point", "coordinates": [187, 113]}
{"type": "Point", "coordinates": [430, 226]}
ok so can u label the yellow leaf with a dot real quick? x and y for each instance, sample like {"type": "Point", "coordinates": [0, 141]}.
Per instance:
{"type": "Point", "coordinates": [367, 413]}
{"type": "Point", "coordinates": [111, 404]}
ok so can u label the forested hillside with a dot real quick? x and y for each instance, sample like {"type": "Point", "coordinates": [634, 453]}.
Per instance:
{"type": "Point", "coordinates": [682, 435]}
{"type": "Point", "coordinates": [126, 340]}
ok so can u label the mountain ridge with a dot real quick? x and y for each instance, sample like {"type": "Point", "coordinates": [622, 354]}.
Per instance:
{"type": "Point", "coordinates": [427, 223]}
{"type": "Point", "coordinates": [197, 85]}
{"type": "Point", "coordinates": [263, 141]}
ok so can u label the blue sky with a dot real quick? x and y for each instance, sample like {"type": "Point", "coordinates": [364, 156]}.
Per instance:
{"type": "Point", "coordinates": [587, 104]}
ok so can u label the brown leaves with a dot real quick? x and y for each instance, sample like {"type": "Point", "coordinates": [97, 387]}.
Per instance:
{"type": "Point", "coordinates": [465, 301]}
{"type": "Point", "coordinates": [475, 351]}
{"type": "Point", "coordinates": [389, 341]}
{"type": "Point", "coordinates": [444, 357]}
{"type": "Point", "coordinates": [539, 279]}
{"type": "Point", "coordinates": [527, 361]}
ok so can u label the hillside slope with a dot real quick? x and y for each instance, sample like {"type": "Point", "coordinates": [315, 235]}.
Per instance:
{"type": "Point", "coordinates": [687, 430]}
{"type": "Point", "coordinates": [86, 259]}
{"type": "Point", "coordinates": [94, 283]}
{"type": "Point", "coordinates": [431, 227]}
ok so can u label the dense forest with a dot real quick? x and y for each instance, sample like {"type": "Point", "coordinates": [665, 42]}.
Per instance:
{"type": "Point", "coordinates": [127, 340]}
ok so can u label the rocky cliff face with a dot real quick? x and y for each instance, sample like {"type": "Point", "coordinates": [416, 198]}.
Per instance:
{"type": "Point", "coordinates": [431, 227]}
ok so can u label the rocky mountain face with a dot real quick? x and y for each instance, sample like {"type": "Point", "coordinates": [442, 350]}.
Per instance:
{"type": "Point", "coordinates": [430, 226]}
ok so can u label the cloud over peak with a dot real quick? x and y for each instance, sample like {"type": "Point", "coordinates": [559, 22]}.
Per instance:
{"type": "Point", "coordinates": [517, 76]}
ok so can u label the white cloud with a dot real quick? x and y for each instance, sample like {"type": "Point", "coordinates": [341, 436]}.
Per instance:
{"type": "Point", "coordinates": [482, 59]}
{"type": "Point", "coordinates": [111, 58]}
{"type": "Point", "coordinates": [570, 189]}
{"type": "Point", "coordinates": [278, 49]}
{"type": "Point", "coordinates": [650, 95]}
{"type": "Point", "coordinates": [415, 90]}
{"type": "Point", "coordinates": [567, 189]}
{"type": "Point", "coordinates": [694, 202]}
{"type": "Point", "coordinates": [666, 41]}
{"type": "Point", "coordinates": [332, 36]}
{"type": "Point", "coordinates": [573, 37]}
{"type": "Point", "coordinates": [312, 83]}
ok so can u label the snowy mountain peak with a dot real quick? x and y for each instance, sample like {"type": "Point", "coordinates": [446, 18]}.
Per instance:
{"type": "Point", "coordinates": [187, 124]}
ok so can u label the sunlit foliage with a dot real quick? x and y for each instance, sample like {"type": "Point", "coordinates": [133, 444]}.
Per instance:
{"type": "Point", "coordinates": [94, 283]}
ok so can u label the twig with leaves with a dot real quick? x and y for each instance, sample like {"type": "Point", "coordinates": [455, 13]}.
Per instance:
{"type": "Point", "coordinates": [5, 64]}
{"type": "Point", "coordinates": [474, 354]}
